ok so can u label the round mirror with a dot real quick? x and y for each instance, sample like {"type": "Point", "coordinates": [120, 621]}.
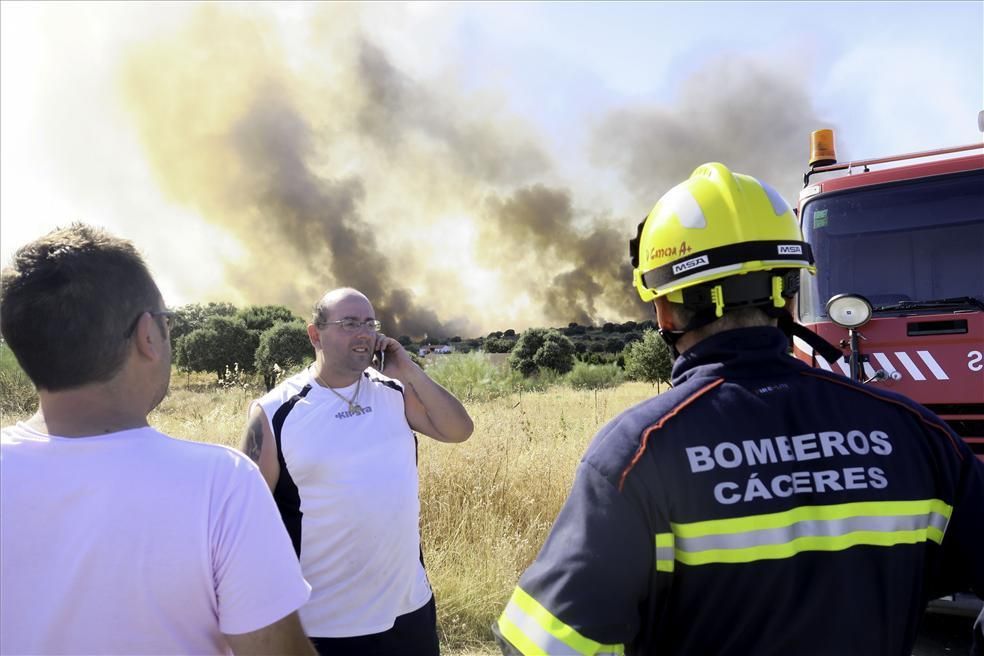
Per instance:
{"type": "Point", "coordinates": [849, 310]}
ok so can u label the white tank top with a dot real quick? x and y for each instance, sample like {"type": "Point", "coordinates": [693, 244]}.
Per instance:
{"type": "Point", "coordinates": [354, 478]}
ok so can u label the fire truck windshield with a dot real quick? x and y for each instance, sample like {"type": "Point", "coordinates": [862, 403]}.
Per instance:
{"type": "Point", "coordinates": [909, 246]}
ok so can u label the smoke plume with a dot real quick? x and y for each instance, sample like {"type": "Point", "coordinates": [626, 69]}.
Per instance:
{"type": "Point", "coordinates": [752, 117]}
{"type": "Point", "coordinates": [445, 209]}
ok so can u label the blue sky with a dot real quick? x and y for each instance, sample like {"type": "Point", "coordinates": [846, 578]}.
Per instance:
{"type": "Point", "coordinates": [470, 115]}
{"type": "Point", "coordinates": [924, 61]}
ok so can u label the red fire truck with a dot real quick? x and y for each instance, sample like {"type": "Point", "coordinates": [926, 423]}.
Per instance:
{"type": "Point", "coordinates": [899, 247]}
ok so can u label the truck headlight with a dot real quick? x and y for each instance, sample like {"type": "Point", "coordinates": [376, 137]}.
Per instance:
{"type": "Point", "coordinates": [849, 310]}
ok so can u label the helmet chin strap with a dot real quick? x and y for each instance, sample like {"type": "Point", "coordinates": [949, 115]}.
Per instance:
{"type": "Point", "coordinates": [792, 329]}
{"type": "Point", "coordinates": [671, 337]}
{"type": "Point", "coordinates": [784, 321]}
{"type": "Point", "coordinates": [702, 318]}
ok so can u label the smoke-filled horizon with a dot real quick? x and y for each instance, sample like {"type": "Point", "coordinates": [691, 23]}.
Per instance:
{"type": "Point", "coordinates": [452, 214]}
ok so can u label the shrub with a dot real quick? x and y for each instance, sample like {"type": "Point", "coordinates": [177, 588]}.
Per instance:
{"type": "Point", "coordinates": [473, 377]}
{"type": "Point", "coordinates": [540, 381]}
{"type": "Point", "coordinates": [540, 348]}
{"type": "Point", "coordinates": [649, 359]}
{"type": "Point", "coordinates": [594, 376]}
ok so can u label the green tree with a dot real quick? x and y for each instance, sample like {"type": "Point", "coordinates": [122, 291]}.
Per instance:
{"type": "Point", "coordinates": [521, 358]}
{"type": "Point", "coordinates": [596, 347]}
{"type": "Point", "coordinates": [648, 359]}
{"type": "Point", "coordinates": [260, 318]}
{"type": "Point", "coordinates": [542, 348]}
{"type": "Point", "coordinates": [222, 342]}
{"type": "Point", "coordinates": [574, 329]}
{"type": "Point", "coordinates": [498, 345]}
{"type": "Point", "coordinates": [598, 358]}
{"type": "Point", "coordinates": [282, 347]}
{"type": "Point", "coordinates": [194, 315]}
{"type": "Point", "coordinates": [614, 344]}
{"type": "Point", "coordinates": [557, 353]}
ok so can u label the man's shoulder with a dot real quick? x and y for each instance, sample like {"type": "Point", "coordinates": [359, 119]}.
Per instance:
{"type": "Point", "coordinates": [620, 441]}
{"type": "Point", "coordinates": [376, 378]}
{"type": "Point", "coordinates": [285, 390]}
{"type": "Point", "coordinates": [134, 450]}
{"type": "Point", "coordinates": [13, 433]}
{"type": "Point", "coordinates": [206, 451]}
{"type": "Point", "coordinates": [222, 470]}
{"type": "Point", "coordinates": [888, 400]}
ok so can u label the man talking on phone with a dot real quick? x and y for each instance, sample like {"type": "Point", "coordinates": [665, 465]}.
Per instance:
{"type": "Point", "coordinates": [336, 443]}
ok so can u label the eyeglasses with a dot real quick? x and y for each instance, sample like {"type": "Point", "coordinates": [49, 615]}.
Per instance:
{"type": "Point", "coordinates": [354, 325]}
{"type": "Point", "coordinates": [169, 320]}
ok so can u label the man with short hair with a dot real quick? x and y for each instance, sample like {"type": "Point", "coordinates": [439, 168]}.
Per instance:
{"type": "Point", "coordinates": [115, 538]}
{"type": "Point", "coordinates": [760, 506]}
{"type": "Point", "coordinates": [337, 446]}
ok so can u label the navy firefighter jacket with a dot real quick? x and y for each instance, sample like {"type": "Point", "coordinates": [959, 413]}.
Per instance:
{"type": "Point", "coordinates": [761, 507]}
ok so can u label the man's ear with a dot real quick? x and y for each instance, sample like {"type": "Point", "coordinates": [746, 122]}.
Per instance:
{"type": "Point", "coordinates": [149, 337]}
{"type": "Point", "coordinates": [313, 336]}
{"type": "Point", "coordinates": [665, 318]}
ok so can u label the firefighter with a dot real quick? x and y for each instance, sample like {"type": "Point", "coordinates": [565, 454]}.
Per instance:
{"type": "Point", "coordinates": [760, 506]}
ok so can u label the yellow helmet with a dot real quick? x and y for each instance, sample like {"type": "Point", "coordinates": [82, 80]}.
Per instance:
{"type": "Point", "coordinates": [719, 226]}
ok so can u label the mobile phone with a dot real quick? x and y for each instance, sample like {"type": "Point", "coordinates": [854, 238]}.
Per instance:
{"type": "Point", "coordinates": [379, 360]}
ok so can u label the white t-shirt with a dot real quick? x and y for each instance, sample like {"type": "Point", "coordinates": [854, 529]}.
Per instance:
{"type": "Point", "coordinates": [136, 543]}
{"type": "Point", "coordinates": [356, 481]}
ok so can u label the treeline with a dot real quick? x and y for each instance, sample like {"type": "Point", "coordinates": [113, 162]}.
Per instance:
{"type": "Point", "coordinates": [217, 337]}
{"type": "Point", "coordinates": [591, 343]}
{"type": "Point", "coordinates": [270, 339]}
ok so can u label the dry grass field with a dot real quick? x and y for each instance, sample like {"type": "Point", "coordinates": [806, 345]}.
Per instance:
{"type": "Point", "coordinates": [486, 505]}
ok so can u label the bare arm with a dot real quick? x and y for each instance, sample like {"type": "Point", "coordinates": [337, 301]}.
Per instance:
{"type": "Point", "coordinates": [430, 409]}
{"type": "Point", "coordinates": [434, 411]}
{"type": "Point", "coordinates": [285, 636]}
{"type": "Point", "coordinates": [260, 446]}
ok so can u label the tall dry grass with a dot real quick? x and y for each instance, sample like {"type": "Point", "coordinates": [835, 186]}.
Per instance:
{"type": "Point", "coordinates": [486, 505]}
{"type": "Point", "coordinates": [17, 395]}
